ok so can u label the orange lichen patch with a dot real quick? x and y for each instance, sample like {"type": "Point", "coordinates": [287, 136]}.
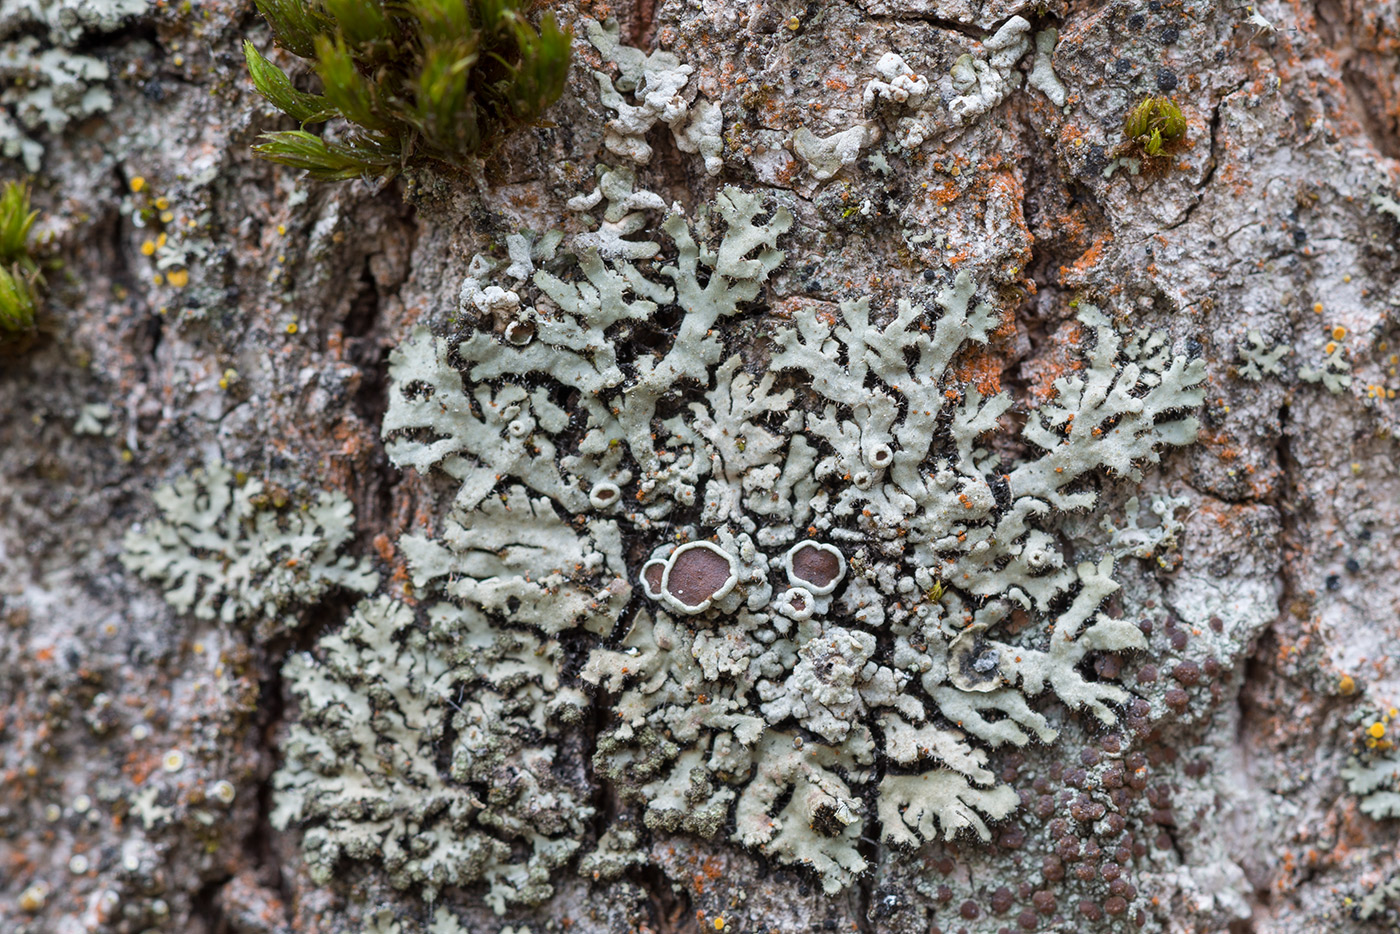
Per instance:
{"type": "Point", "coordinates": [708, 872]}
{"type": "Point", "coordinates": [981, 368]}
{"type": "Point", "coordinates": [1077, 274]}
{"type": "Point", "coordinates": [384, 547]}
{"type": "Point", "coordinates": [352, 438]}
{"type": "Point", "coordinates": [1003, 336]}
{"type": "Point", "coordinates": [1222, 443]}
{"type": "Point", "coordinates": [598, 11]}
{"type": "Point", "coordinates": [828, 313]}
{"type": "Point", "coordinates": [944, 194]}
{"type": "Point", "coordinates": [139, 765]}
{"type": "Point", "coordinates": [1060, 359]}
{"type": "Point", "coordinates": [789, 172]}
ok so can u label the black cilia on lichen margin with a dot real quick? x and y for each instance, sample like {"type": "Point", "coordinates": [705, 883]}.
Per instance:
{"type": "Point", "coordinates": [417, 81]}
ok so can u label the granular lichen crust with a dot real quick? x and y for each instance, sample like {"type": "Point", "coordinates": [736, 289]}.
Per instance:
{"type": "Point", "coordinates": [364, 774]}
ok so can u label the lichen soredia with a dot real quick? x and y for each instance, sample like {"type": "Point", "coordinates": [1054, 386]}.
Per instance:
{"type": "Point", "coordinates": [792, 583]}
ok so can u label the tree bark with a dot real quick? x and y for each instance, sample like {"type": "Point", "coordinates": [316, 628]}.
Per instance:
{"type": "Point", "coordinates": [213, 308]}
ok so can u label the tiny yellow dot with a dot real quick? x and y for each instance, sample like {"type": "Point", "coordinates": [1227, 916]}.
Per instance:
{"type": "Point", "coordinates": [1330, 348]}
{"type": "Point", "coordinates": [794, 23]}
{"type": "Point", "coordinates": [719, 924]}
{"type": "Point", "coordinates": [137, 183]}
{"type": "Point", "coordinates": [158, 279]}
{"type": "Point", "coordinates": [1339, 333]}
{"type": "Point", "coordinates": [162, 203]}
{"type": "Point", "coordinates": [292, 328]}
{"type": "Point", "coordinates": [1317, 307]}
{"type": "Point", "coordinates": [167, 216]}
{"type": "Point", "coordinates": [282, 229]}
{"type": "Point", "coordinates": [1376, 730]}
{"type": "Point", "coordinates": [160, 241]}
{"type": "Point", "coordinates": [178, 278]}
{"type": "Point", "coordinates": [178, 60]}
{"type": "Point", "coordinates": [127, 456]}
{"type": "Point", "coordinates": [148, 248]}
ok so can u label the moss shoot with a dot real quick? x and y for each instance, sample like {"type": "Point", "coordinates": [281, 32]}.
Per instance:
{"type": "Point", "coordinates": [418, 81]}
{"type": "Point", "coordinates": [1154, 124]}
{"type": "Point", "coordinates": [19, 273]}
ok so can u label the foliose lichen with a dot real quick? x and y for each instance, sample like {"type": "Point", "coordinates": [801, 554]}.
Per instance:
{"type": "Point", "coordinates": [1382, 903]}
{"type": "Point", "coordinates": [65, 21]}
{"type": "Point", "coordinates": [362, 774]}
{"type": "Point", "coordinates": [1260, 357]}
{"type": "Point", "coordinates": [816, 611]}
{"type": "Point", "coordinates": [47, 83]}
{"type": "Point", "coordinates": [786, 566]}
{"type": "Point", "coordinates": [649, 89]}
{"type": "Point", "coordinates": [1334, 372]}
{"type": "Point", "coordinates": [977, 82]}
{"type": "Point", "coordinates": [225, 548]}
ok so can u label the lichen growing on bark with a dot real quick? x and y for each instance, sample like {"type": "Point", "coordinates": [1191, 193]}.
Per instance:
{"type": "Point", "coordinates": [363, 776]}
{"type": "Point", "coordinates": [829, 620]}
{"type": "Point", "coordinates": [224, 548]}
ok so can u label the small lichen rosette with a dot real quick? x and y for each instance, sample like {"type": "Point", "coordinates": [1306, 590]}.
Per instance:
{"type": "Point", "coordinates": [807, 554]}
{"type": "Point", "coordinates": [224, 548]}
{"type": "Point", "coordinates": [1373, 771]}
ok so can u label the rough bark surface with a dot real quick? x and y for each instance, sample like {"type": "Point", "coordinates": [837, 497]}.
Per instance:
{"type": "Point", "coordinates": [1271, 630]}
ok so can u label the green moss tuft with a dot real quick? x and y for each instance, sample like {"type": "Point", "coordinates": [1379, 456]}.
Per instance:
{"type": "Point", "coordinates": [418, 81]}
{"type": "Point", "coordinates": [19, 273]}
{"type": "Point", "coordinates": [1153, 124]}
